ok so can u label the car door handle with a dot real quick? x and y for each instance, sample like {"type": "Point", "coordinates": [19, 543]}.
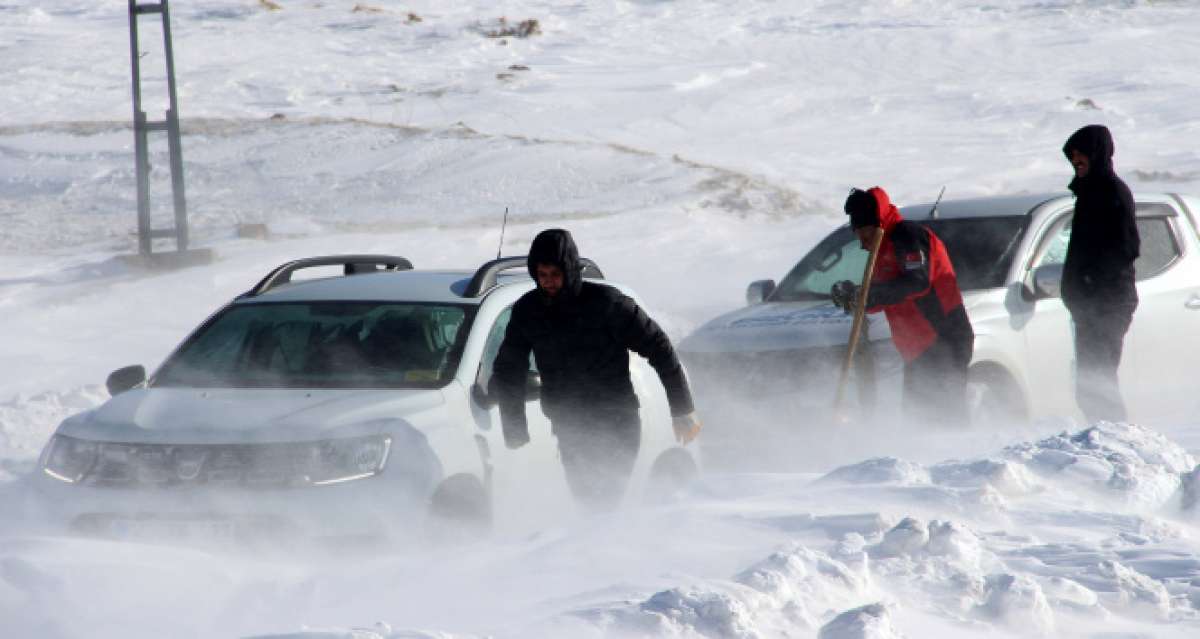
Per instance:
{"type": "Point", "coordinates": [1193, 303]}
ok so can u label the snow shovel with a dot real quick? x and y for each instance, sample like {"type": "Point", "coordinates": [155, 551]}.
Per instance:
{"type": "Point", "coordinates": [856, 328]}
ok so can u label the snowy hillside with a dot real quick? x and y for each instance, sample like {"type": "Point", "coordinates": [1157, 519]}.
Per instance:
{"type": "Point", "coordinates": [691, 147]}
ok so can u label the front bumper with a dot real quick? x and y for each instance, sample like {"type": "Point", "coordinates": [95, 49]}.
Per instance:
{"type": "Point", "coordinates": [375, 506]}
{"type": "Point", "coordinates": [761, 374]}
{"type": "Point", "coordinates": [795, 382]}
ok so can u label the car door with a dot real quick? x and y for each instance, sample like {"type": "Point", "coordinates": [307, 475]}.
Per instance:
{"type": "Point", "coordinates": [1046, 324]}
{"type": "Point", "coordinates": [525, 480]}
{"type": "Point", "coordinates": [1162, 337]}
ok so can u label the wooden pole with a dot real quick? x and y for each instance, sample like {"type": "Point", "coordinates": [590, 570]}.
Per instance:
{"type": "Point", "coordinates": [860, 309]}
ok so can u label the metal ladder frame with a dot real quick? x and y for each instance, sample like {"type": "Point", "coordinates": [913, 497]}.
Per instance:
{"type": "Point", "coordinates": [142, 127]}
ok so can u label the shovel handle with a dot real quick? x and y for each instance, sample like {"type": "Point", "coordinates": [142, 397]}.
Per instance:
{"type": "Point", "coordinates": [860, 309]}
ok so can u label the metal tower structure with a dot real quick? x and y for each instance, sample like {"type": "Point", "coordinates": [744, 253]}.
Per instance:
{"type": "Point", "coordinates": [142, 127]}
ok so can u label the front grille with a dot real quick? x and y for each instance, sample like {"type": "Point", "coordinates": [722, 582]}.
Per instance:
{"type": "Point", "coordinates": [248, 465]}
{"type": "Point", "coordinates": [203, 527]}
{"type": "Point", "coordinates": [764, 372]}
{"type": "Point", "coordinates": [814, 371]}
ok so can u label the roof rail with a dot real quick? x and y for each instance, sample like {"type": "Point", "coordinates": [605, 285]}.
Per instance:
{"type": "Point", "coordinates": [351, 265]}
{"type": "Point", "coordinates": [485, 278]}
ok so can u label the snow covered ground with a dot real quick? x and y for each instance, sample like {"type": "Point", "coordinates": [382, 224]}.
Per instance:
{"type": "Point", "coordinates": [691, 147]}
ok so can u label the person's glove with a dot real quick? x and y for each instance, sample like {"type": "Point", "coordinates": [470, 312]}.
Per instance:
{"type": "Point", "coordinates": [687, 427]}
{"type": "Point", "coordinates": [844, 295]}
{"type": "Point", "coordinates": [515, 436]}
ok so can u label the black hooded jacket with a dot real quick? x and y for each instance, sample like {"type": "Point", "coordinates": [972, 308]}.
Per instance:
{"type": "Point", "coordinates": [581, 340]}
{"type": "Point", "coordinates": [1098, 272]}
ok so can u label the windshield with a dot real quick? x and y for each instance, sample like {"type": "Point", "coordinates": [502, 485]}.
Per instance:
{"type": "Point", "coordinates": [322, 345]}
{"type": "Point", "coordinates": [981, 250]}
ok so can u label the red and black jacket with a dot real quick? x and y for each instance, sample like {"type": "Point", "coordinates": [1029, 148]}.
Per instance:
{"type": "Point", "coordinates": [915, 286]}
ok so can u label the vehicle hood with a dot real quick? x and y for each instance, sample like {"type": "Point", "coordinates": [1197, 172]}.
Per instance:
{"type": "Point", "coordinates": [206, 416]}
{"type": "Point", "coordinates": [778, 326]}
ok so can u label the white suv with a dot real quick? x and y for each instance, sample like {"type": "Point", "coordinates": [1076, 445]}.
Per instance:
{"type": "Point", "coordinates": [344, 405]}
{"type": "Point", "coordinates": [1008, 254]}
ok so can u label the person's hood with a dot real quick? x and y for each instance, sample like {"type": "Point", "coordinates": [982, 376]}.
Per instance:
{"type": "Point", "coordinates": [889, 215]}
{"type": "Point", "coordinates": [555, 246]}
{"type": "Point", "coordinates": [1096, 142]}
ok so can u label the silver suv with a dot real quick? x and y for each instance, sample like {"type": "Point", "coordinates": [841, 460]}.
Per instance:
{"type": "Point", "coordinates": [347, 404]}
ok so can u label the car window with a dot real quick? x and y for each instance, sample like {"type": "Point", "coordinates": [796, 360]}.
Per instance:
{"type": "Point", "coordinates": [492, 348]}
{"type": "Point", "coordinates": [322, 345]}
{"type": "Point", "coordinates": [1054, 244]}
{"type": "Point", "coordinates": [981, 249]}
{"type": "Point", "coordinates": [1189, 215]}
{"type": "Point", "coordinates": [1159, 247]}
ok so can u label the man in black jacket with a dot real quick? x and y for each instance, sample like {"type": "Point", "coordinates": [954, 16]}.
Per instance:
{"type": "Point", "coordinates": [1098, 274]}
{"type": "Point", "coordinates": [580, 334]}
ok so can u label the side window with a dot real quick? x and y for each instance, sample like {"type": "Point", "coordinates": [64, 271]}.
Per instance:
{"type": "Point", "coordinates": [1054, 245]}
{"type": "Point", "coordinates": [491, 348]}
{"type": "Point", "coordinates": [1159, 246]}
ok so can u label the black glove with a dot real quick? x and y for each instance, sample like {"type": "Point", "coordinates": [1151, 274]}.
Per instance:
{"type": "Point", "coordinates": [515, 436]}
{"type": "Point", "coordinates": [844, 295]}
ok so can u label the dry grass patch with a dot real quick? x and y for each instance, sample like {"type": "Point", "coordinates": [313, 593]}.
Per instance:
{"type": "Point", "coordinates": [503, 28]}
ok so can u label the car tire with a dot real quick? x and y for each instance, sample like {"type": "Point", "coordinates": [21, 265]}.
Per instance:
{"type": "Point", "coordinates": [460, 508]}
{"type": "Point", "coordinates": [672, 472]}
{"type": "Point", "coordinates": [993, 397]}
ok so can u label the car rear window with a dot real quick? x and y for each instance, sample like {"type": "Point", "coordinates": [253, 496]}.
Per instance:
{"type": "Point", "coordinates": [322, 345]}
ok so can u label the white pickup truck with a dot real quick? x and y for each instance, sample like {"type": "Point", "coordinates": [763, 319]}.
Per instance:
{"type": "Point", "coordinates": [1008, 254]}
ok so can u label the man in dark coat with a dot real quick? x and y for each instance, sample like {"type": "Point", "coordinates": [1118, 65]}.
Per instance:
{"type": "Point", "coordinates": [580, 333]}
{"type": "Point", "coordinates": [915, 286]}
{"type": "Point", "coordinates": [1098, 275]}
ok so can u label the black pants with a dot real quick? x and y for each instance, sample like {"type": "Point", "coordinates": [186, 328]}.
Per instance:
{"type": "Point", "coordinates": [1099, 340]}
{"type": "Point", "coordinates": [598, 451]}
{"type": "Point", "coordinates": [935, 385]}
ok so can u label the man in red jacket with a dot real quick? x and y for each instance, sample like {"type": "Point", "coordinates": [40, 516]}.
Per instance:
{"type": "Point", "coordinates": [914, 285]}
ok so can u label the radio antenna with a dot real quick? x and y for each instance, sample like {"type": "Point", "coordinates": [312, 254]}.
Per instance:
{"type": "Point", "coordinates": [933, 211]}
{"type": "Point", "coordinates": [502, 226]}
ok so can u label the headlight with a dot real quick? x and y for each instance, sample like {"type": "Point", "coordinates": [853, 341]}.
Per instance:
{"type": "Point", "coordinates": [339, 460]}
{"type": "Point", "coordinates": [69, 459]}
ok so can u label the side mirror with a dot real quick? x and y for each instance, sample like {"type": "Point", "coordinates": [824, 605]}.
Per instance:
{"type": "Point", "coordinates": [533, 390]}
{"type": "Point", "coordinates": [533, 386]}
{"type": "Point", "coordinates": [480, 396]}
{"type": "Point", "coordinates": [124, 379]}
{"type": "Point", "coordinates": [759, 291]}
{"type": "Point", "coordinates": [1047, 281]}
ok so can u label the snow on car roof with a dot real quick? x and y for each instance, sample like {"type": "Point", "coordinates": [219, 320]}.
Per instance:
{"type": "Point", "coordinates": [411, 285]}
{"type": "Point", "coordinates": [993, 206]}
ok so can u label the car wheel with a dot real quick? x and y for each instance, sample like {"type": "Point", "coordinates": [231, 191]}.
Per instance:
{"type": "Point", "coordinates": [460, 508]}
{"type": "Point", "coordinates": [994, 398]}
{"type": "Point", "coordinates": [672, 472]}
